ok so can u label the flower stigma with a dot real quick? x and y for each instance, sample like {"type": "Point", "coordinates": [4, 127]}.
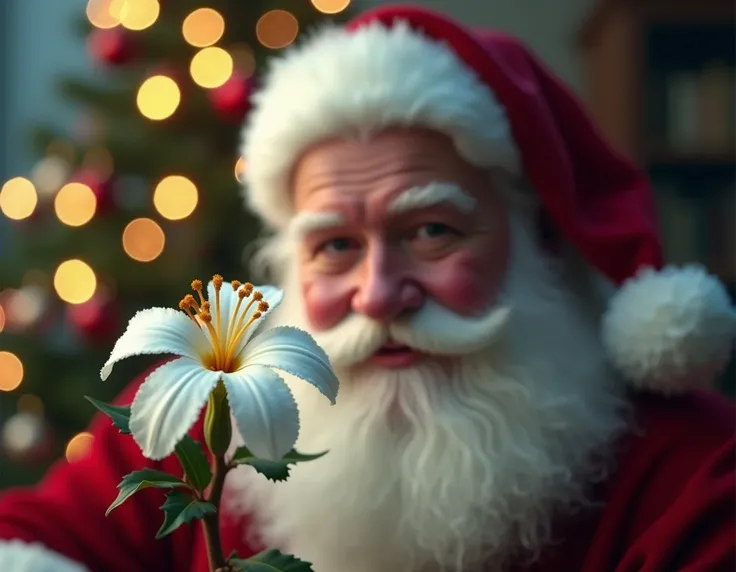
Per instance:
{"type": "Point", "coordinates": [225, 332]}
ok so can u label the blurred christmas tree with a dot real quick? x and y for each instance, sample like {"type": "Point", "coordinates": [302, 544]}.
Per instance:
{"type": "Point", "coordinates": [126, 211]}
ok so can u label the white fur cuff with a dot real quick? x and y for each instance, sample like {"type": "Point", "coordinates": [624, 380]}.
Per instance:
{"type": "Point", "coordinates": [670, 331]}
{"type": "Point", "coordinates": [18, 556]}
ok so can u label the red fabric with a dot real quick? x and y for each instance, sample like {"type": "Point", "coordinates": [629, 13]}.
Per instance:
{"type": "Point", "coordinates": [599, 200]}
{"type": "Point", "coordinates": [670, 506]}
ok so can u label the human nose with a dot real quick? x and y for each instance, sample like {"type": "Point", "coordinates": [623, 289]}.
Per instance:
{"type": "Point", "coordinates": [386, 289]}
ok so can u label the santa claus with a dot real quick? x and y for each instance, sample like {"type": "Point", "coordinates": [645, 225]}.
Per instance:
{"type": "Point", "coordinates": [521, 378]}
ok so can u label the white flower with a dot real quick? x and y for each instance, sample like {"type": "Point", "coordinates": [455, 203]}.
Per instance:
{"type": "Point", "coordinates": [215, 341]}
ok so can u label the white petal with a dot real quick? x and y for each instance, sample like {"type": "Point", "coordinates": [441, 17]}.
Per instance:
{"type": "Point", "coordinates": [265, 411]}
{"type": "Point", "coordinates": [294, 351]}
{"type": "Point", "coordinates": [157, 331]}
{"type": "Point", "coordinates": [167, 405]}
{"type": "Point", "coordinates": [273, 296]}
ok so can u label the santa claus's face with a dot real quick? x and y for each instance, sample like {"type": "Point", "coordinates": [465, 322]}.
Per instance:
{"type": "Point", "coordinates": [474, 398]}
{"type": "Point", "coordinates": [386, 225]}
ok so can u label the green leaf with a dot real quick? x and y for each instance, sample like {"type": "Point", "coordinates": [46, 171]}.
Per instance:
{"type": "Point", "coordinates": [144, 479]}
{"type": "Point", "coordinates": [120, 415]}
{"type": "Point", "coordinates": [194, 462]}
{"type": "Point", "coordinates": [271, 561]}
{"type": "Point", "coordinates": [272, 470]}
{"type": "Point", "coordinates": [181, 508]}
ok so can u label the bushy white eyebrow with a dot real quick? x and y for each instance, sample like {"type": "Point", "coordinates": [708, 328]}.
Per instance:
{"type": "Point", "coordinates": [307, 222]}
{"type": "Point", "coordinates": [430, 195]}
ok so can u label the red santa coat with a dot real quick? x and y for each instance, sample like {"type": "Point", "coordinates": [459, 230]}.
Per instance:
{"type": "Point", "coordinates": [669, 506]}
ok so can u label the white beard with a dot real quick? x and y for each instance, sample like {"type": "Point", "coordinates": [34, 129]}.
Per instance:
{"type": "Point", "coordinates": [456, 464]}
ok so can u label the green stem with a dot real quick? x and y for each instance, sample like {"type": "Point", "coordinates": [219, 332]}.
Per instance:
{"type": "Point", "coordinates": [211, 522]}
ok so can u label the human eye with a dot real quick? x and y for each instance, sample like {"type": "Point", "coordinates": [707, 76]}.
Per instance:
{"type": "Point", "coordinates": [434, 230]}
{"type": "Point", "coordinates": [336, 245]}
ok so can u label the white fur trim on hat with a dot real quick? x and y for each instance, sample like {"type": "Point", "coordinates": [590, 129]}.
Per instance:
{"type": "Point", "coordinates": [354, 83]}
{"type": "Point", "coordinates": [18, 556]}
{"type": "Point", "coordinates": [670, 331]}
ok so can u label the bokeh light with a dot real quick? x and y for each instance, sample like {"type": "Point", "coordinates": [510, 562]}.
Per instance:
{"type": "Point", "coordinates": [203, 27]}
{"type": "Point", "coordinates": [211, 67]}
{"type": "Point", "coordinates": [75, 204]}
{"type": "Point", "coordinates": [244, 60]}
{"type": "Point", "coordinates": [49, 174]}
{"type": "Point", "coordinates": [11, 371]}
{"type": "Point", "coordinates": [18, 198]}
{"type": "Point", "coordinates": [135, 14]}
{"type": "Point", "coordinates": [100, 161]}
{"type": "Point", "coordinates": [29, 403]}
{"type": "Point", "coordinates": [175, 197]}
{"type": "Point", "coordinates": [75, 281]}
{"type": "Point", "coordinates": [143, 240]}
{"type": "Point", "coordinates": [277, 29]}
{"type": "Point", "coordinates": [158, 97]}
{"type": "Point", "coordinates": [79, 446]}
{"type": "Point", "coordinates": [330, 6]}
{"type": "Point", "coordinates": [26, 305]}
{"type": "Point", "coordinates": [240, 169]}
{"type": "Point", "coordinates": [99, 14]}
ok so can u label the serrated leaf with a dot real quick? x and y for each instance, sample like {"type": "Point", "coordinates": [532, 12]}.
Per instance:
{"type": "Point", "coordinates": [120, 415]}
{"type": "Point", "coordinates": [271, 561]}
{"type": "Point", "coordinates": [194, 462]}
{"type": "Point", "coordinates": [181, 508]}
{"type": "Point", "coordinates": [272, 470]}
{"type": "Point", "coordinates": [144, 479]}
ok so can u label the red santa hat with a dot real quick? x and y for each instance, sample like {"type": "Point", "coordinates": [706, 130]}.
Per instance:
{"type": "Point", "coordinates": [666, 329]}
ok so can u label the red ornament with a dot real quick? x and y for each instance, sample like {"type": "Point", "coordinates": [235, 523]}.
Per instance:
{"type": "Point", "coordinates": [97, 320]}
{"type": "Point", "coordinates": [112, 46]}
{"type": "Point", "coordinates": [101, 187]}
{"type": "Point", "coordinates": [231, 100]}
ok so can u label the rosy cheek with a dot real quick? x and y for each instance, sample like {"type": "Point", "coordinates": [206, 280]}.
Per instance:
{"type": "Point", "coordinates": [466, 283]}
{"type": "Point", "coordinates": [327, 302]}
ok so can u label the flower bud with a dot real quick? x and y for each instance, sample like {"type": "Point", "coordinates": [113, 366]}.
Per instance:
{"type": "Point", "coordinates": [218, 429]}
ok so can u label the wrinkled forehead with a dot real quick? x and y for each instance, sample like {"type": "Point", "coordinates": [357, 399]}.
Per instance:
{"type": "Point", "coordinates": [393, 171]}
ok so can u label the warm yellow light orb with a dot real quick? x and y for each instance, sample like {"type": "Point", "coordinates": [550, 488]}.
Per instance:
{"type": "Point", "coordinates": [135, 14]}
{"type": "Point", "coordinates": [158, 97]}
{"type": "Point", "coordinates": [75, 204]}
{"type": "Point", "coordinates": [330, 6]}
{"type": "Point", "coordinates": [203, 27]}
{"type": "Point", "coordinates": [143, 240]}
{"type": "Point", "coordinates": [18, 198]}
{"type": "Point", "coordinates": [99, 14]}
{"type": "Point", "coordinates": [79, 446]}
{"type": "Point", "coordinates": [175, 197]}
{"type": "Point", "coordinates": [11, 371]}
{"type": "Point", "coordinates": [211, 67]}
{"type": "Point", "coordinates": [74, 281]}
{"type": "Point", "coordinates": [277, 29]}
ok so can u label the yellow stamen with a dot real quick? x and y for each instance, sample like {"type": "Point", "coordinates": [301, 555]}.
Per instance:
{"type": "Point", "coordinates": [244, 292]}
{"type": "Point", "coordinates": [197, 287]}
{"type": "Point", "coordinates": [224, 344]}
{"type": "Point", "coordinates": [262, 308]}
{"type": "Point", "coordinates": [217, 283]}
{"type": "Point", "coordinates": [184, 305]}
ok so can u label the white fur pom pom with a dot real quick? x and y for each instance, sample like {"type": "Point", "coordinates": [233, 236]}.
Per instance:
{"type": "Point", "coordinates": [670, 331]}
{"type": "Point", "coordinates": [17, 556]}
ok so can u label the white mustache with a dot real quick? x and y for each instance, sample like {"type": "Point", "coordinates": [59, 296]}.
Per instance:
{"type": "Point", "coordinates": [433, 329]}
